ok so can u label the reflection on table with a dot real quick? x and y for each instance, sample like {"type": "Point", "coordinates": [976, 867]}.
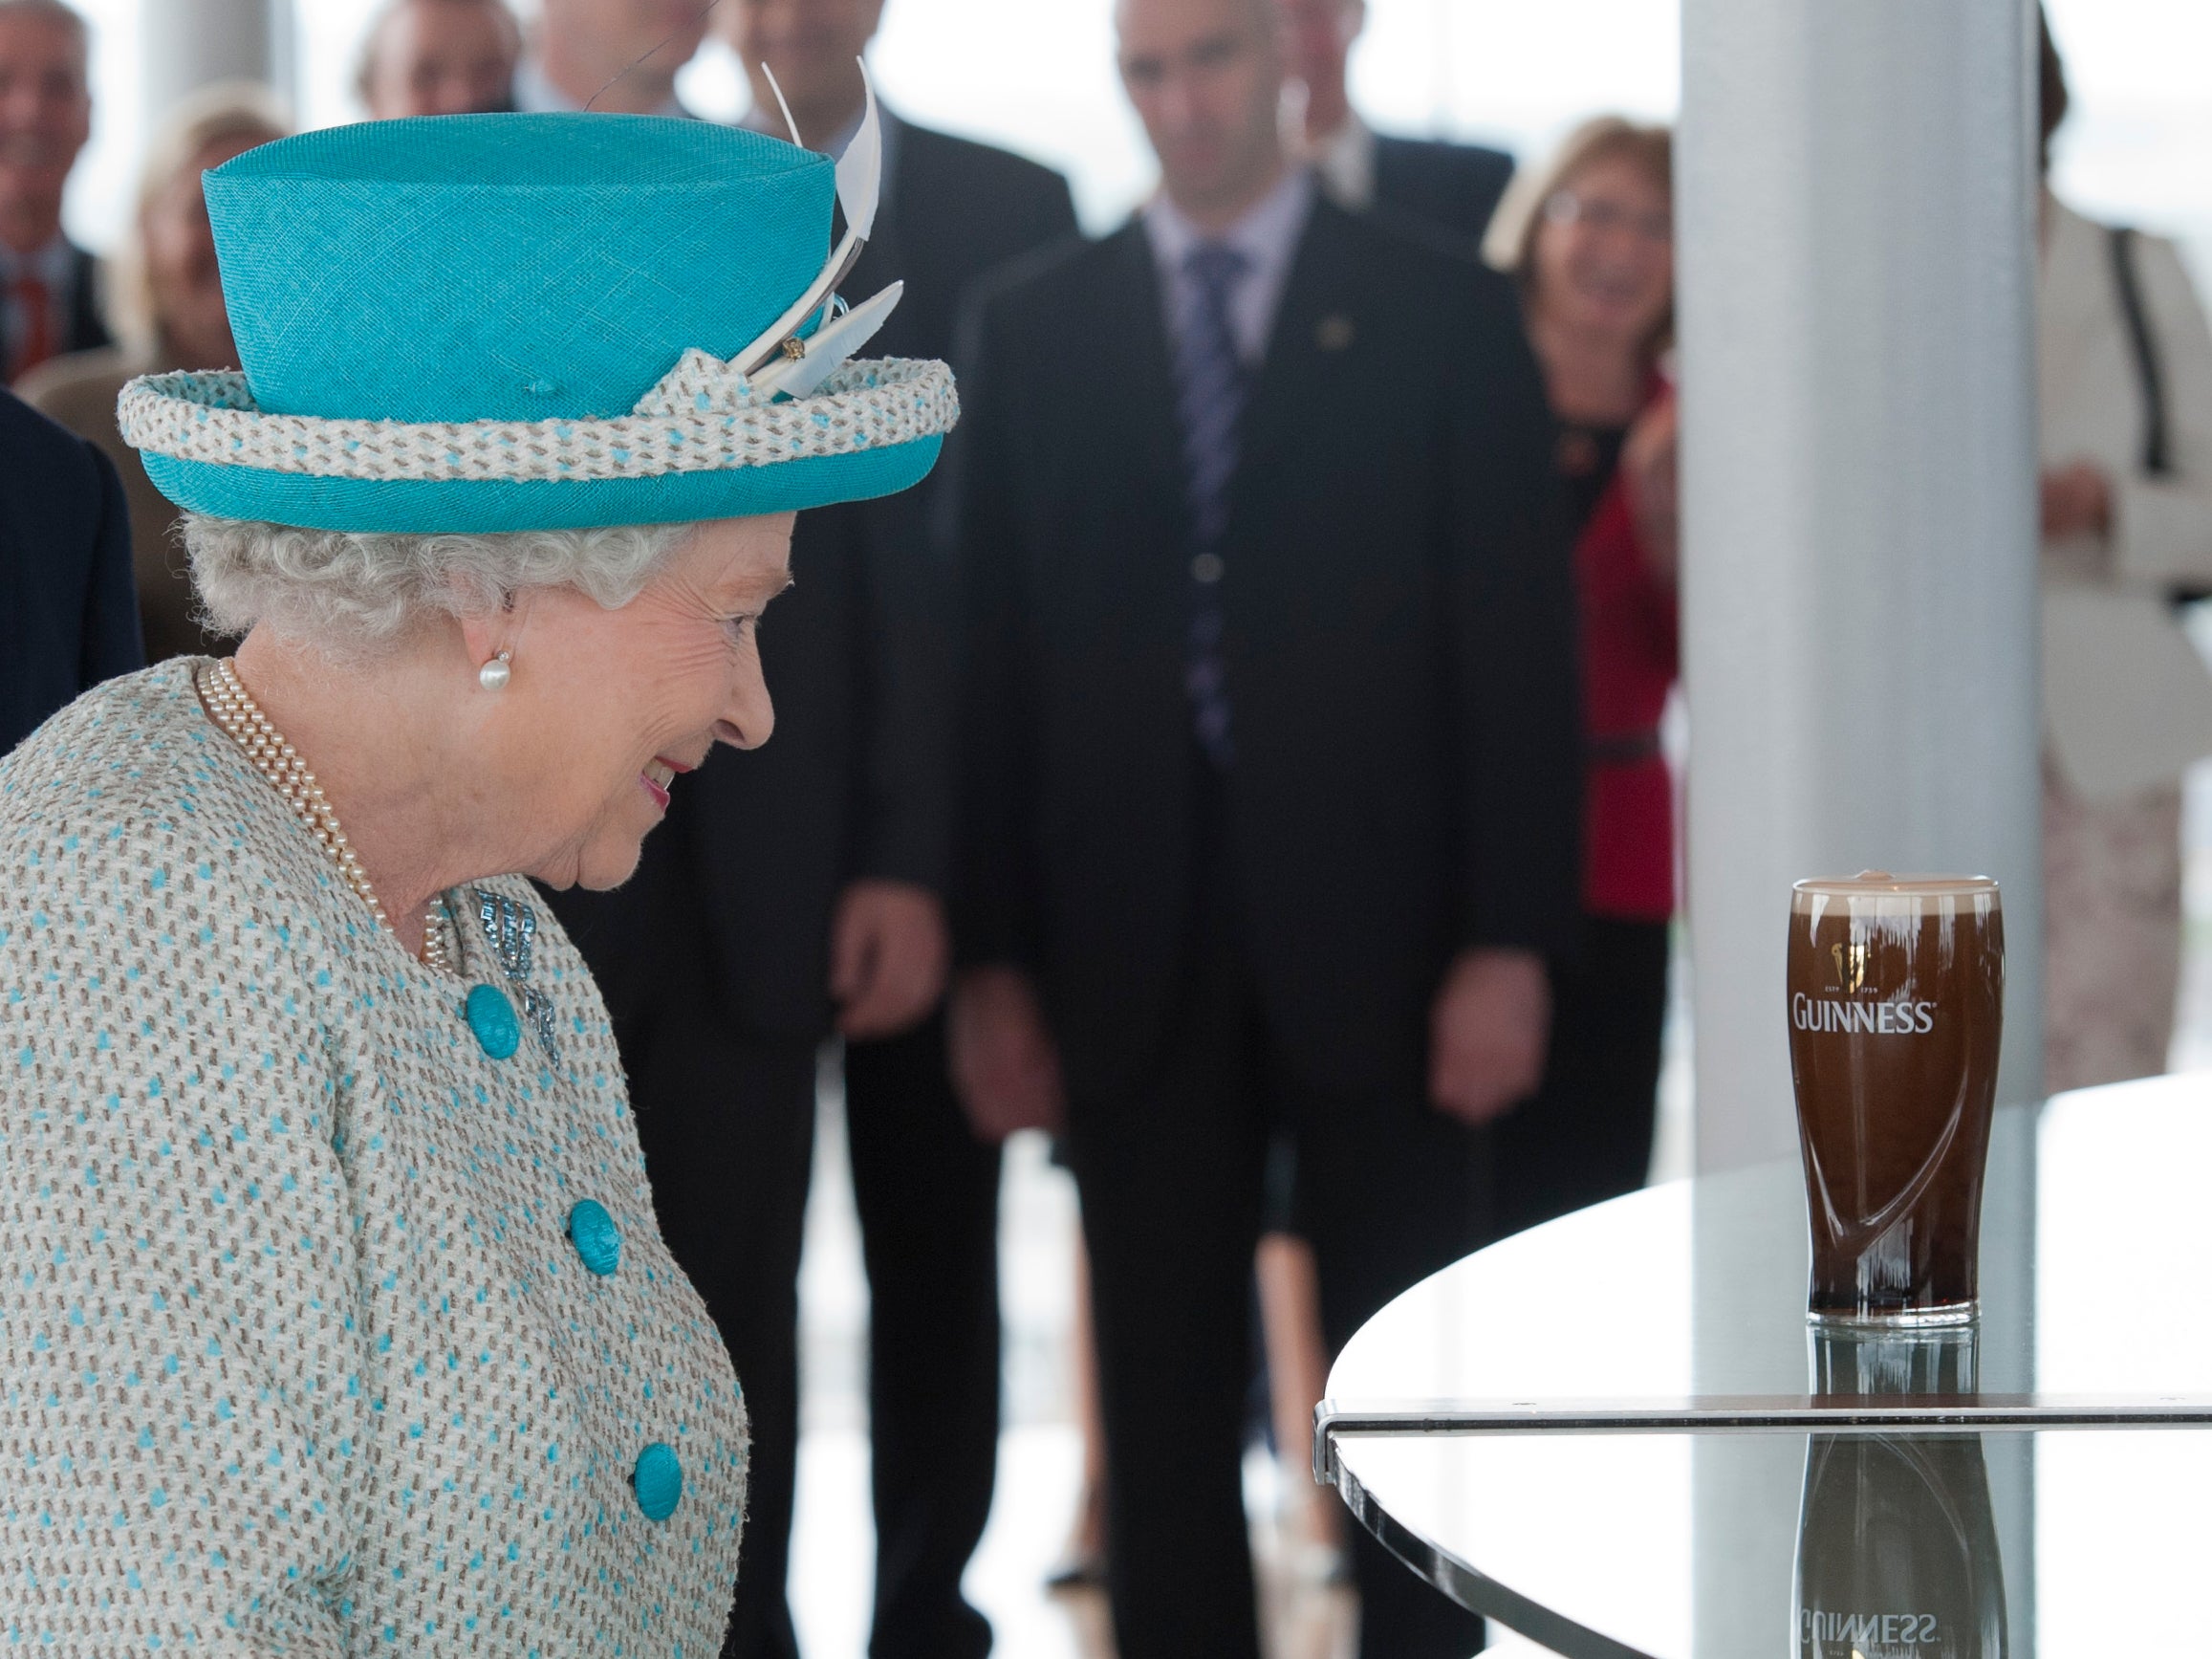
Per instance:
{"type": "Point", "coordinates": [1683, 1546]}
{"type": "Point", "coordinates": [1925, 1531]}
{"type": "Point", "coordinates": [1896, 1550]}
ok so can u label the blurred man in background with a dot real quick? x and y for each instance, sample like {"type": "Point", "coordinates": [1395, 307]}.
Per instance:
{"type": "Point", "coordinates": [45, 119]}
{"type": "Point", "coordinates": [1454, 187]}
{"type": "Point", "coordinates": [724, 986]}
{"type": "Point", "coordinates": [616, 57]}
{"type": "Point", "coordinates": [170, 311]}
{"type": "Point", "coordinates": [1272, 775]}
{"type": "Point", "coordinates": [438, 58]}
{"type": "Point", "coordinates": [68, 616]}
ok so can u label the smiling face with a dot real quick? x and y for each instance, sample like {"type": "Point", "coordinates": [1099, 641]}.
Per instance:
{"type": "Point", "coordinates": [45, 114]}
{"type": "Point", "coordinates": [607, 709]}
{"type": "Point", "coordinates": [1603, 257]}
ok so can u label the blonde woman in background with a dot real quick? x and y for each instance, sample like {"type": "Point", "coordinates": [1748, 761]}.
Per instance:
{"type": "Point", "coordinates": [2125, 368]}
{"type": "Point", "coordinates": [169, 315]}
{"type": "Point", "coordinates": [1588, 237]}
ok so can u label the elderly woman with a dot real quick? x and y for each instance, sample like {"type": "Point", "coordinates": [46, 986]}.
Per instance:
{"type": "Point", "coordinates": [169, 306]}
{"type": "Point", "coordinates": [335, 1313]}
{"type": "Point", "coordinates": [1590, 237]}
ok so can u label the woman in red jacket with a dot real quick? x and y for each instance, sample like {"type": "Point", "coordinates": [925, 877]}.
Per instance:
{"type": "Point", "coordinates": [1590, 239]}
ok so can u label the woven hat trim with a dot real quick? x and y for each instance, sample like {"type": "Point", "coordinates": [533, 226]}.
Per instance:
{"type": "Point", "coordinates": [702, 417]}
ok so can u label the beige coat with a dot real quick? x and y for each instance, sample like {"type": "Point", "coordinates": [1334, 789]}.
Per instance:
{"type": "Point", "coordinates": [2127, 701]}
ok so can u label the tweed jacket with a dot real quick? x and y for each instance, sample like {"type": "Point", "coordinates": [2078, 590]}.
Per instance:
{"type": "Point", "coordinates": [298, 1351]}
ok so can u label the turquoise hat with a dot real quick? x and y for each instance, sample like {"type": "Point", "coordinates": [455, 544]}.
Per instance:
{"type": "Point", "coordinates": [539, 321]}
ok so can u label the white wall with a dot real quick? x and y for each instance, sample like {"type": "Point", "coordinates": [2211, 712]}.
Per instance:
{"type": "Point", "coordinates": [2140, 145]}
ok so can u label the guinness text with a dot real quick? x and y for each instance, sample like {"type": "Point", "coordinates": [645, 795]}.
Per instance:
{"type": "Point", "coordinates": [1874, 1018]}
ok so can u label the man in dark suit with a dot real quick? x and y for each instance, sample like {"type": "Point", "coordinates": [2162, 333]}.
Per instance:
{"type": "Point", "coordinates": [69, 617]}
{"type": "Point", "coordinates": [1452, 188]}
{"type": "Point", "coordinates": [47, 304]}
{"type": "Point", "coordinates": [798, 890]}
{"type": "Point", "coordinates": [1269, 803]}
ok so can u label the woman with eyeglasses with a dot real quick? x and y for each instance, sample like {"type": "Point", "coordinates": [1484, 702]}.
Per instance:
{"type": "Point", "coordinates": [1590, 237]}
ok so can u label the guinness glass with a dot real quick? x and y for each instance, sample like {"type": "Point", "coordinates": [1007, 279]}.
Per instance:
{"type": "Point", "coordinates": [1896, 999]}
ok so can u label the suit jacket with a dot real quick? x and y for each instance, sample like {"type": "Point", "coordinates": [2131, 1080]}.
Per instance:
{"type": "Point", "coordinates": [68, 616]}
{"type": "Point", "coordinates": [86, 331]}
{"type": "Point", "coordinates": [1399, 652]}
{"type": "Point", "coordinates": [1451, 188]}
{"type": "Point", "coordinates": [857, 779]}
{"type": "Point", "coordinates": [80, 390]}
{"type": "Point", "coordinates": [81, 327]}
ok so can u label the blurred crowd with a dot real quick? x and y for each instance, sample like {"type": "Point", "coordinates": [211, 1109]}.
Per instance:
{"type": "Point", "coordinates": [1165, 775]}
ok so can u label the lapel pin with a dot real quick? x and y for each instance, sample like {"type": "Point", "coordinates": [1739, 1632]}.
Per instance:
{"type": "Point", "coordinates": [1335, 333]}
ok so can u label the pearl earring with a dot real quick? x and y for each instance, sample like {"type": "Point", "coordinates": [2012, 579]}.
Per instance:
{"type": "Point", "coordinates": [494, 675]}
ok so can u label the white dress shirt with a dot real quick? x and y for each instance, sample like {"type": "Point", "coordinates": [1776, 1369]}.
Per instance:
{"type": "Point", "coordinates": [1267, 236]}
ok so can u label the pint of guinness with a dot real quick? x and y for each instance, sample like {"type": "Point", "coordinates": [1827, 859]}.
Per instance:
{"type": "Point", "coordinates": [1897, 1001]}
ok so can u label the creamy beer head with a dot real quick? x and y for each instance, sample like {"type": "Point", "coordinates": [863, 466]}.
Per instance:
{"type": "Point", "coordinates": [1880, 884]}
{"type": "Point", "coordinates": [1895, 1003]}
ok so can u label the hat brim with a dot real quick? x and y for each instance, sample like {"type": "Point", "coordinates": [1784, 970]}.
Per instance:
{"type": "Point", "coordinates": [703, 443]}
{"type": "Point", "coordinates": [424, 506]}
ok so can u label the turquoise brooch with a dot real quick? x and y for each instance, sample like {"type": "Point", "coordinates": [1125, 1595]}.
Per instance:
{"type": "Point", "coordinates": [508, 927]}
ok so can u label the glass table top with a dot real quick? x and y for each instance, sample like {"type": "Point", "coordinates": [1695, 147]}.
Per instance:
{"type": "Point", "coordinates": [2044, 1544]}
{"type": "Point", "coordinates": [1683, 1306]}
{"type": "Point", "coordinates": [1617, 1435]}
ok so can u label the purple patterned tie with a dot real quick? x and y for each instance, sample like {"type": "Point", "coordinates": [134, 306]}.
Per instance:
{"type": "Point", "coordinates": [1211, 383]}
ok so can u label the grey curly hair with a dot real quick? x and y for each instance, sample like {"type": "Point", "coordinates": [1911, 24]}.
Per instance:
{"type": "Point", "coordinates": [349, 591]}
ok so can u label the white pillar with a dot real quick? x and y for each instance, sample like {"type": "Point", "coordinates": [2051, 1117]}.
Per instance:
{"type": "Point", "coordinates": [1855, 213]}
{"type": "Point", "coordinates": [188, 44]}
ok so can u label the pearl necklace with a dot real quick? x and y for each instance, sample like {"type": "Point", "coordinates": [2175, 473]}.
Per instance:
{"type": "Point", "coordinates": [240, 718]}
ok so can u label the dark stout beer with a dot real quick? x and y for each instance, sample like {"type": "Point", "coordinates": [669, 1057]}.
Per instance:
{"type": "Point", "coordinates": [1896, 999]}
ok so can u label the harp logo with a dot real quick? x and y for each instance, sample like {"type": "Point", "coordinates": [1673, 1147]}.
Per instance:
{"type": "Point", "coordinates": [1849, 965]}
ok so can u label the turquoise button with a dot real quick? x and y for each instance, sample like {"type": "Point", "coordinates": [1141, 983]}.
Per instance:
{"type": "Point", "coordinates": [658, 1481]}
{"type": "Point", "coordinates": [596, 1236]}
{"type": "Point", "coordinates": [491, 1017]}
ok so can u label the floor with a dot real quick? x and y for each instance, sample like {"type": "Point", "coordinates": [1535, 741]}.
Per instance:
{"type": "Point", "coordinates": [1040, 1455]}
{"type": "Point", "coordinates": [1040, 1452]}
